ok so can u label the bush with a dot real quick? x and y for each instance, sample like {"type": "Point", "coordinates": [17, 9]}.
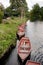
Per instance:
{"type": "Point", "coordinates": [12, 17]}
{"type": "Point", "coordinates": [27, 14]}
{"type": "Point", "coordinates": [1, 16]}
{"type": "Point", "coordinates": [35, 12]}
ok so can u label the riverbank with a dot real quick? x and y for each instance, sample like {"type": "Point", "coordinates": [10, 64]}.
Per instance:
{"type": "Point", "coordinates": [8, 31]}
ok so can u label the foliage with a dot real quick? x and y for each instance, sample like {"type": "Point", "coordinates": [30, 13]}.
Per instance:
{"type": "Point", "coordinates": [16, 8]}
{"type": "Point", "coordinates": [35, 12]}
{"type": "Point", "coordinates": [41, 13]}
{"type": "Point", "coordinates": [1, 13]}
{"type": "Point", "coordinates": [8, 12]}
{"type": "Point", "coordinates": [12, 17]}
{"type": "Point", "coordinates": [27, 14]}
{"type": "Point", "coordinates": [8, 33]}
{"type": "Point", "coordinates": [1, 7]}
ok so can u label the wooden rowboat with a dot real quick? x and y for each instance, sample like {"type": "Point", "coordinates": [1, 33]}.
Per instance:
{"type": "Point", "coordinates": [23, 25]}
{"type": "Point", "coordinates": [21, 28]}
{"type": "Point", "coordinates": [20, 34]}
{"type": "Point", "coordinates": [32, 63]}
{"type": "Point", "coordinates": [24, 48]}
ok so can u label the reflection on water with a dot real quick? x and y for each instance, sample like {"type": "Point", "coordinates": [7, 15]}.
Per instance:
{"type": "Point", "coordinates": [34, 31]}
{"type": "Point", "coordinates": [38, 55]}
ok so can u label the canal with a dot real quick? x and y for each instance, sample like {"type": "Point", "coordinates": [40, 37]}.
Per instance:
{"type": "Point", "coordinates": [34, 31]}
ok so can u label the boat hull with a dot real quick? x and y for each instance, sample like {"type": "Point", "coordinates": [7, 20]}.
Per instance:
{"type": "Point", "coordinates": [23, 62]}
{"type": "Point", "coordinates": [24, 50]}
{"type": "Point", "coordinates": [20, 36]}
{"type": "Point", "coordinates": [29, 62]}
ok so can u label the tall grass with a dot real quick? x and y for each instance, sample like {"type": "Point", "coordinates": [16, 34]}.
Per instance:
{"type": "Point", "coordinates": [8, 33]}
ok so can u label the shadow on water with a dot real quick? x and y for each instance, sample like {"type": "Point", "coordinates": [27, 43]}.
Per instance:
{"type": "Point", "coordinates": [6, 55]}
{"type": "Point", "coordinates": [34, 31]}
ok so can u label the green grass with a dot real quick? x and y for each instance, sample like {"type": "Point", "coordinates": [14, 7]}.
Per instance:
{"type": "Point", "coordinates": [8, 33]}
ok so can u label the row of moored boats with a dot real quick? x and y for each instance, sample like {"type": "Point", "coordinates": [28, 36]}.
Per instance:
{"type": "Point", "coordinates": [24, 47]}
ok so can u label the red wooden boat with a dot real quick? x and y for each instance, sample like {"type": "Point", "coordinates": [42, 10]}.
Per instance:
{"type": "Point", "coordinates": [22, 26]}
{"type": "Point", "coordinates": [24, 48]}
{"type": "Point", "coordinates": [20, 34]}
{"type": "Point", "coordinates": [32, 63]}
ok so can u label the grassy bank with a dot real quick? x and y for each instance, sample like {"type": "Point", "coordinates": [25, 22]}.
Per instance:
{"type": "Point", "coordinates": [8, 33]}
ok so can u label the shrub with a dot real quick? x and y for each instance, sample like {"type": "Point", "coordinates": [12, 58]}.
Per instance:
{"type": "Point", "coordinates": [27, 14]}
{"type": "Point", "coordinates": [12, 17]}
{"type": "Point", "coordinates": [35, 12]}
{"type": "Point", "coordinates": [1, 16]}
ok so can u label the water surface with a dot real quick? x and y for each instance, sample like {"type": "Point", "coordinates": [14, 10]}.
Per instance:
{"type": "Point", "coordinates": [34, 31]}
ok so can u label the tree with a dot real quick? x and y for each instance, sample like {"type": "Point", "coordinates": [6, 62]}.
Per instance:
{"type": "Point", "coordinates": [41, 13]}
{"type": "Point", "coordinates": [7, 12]}
{"type": "Point", "coordinates": [1, 7]}
{"type": "Point", "coordinates": [27, 14]}
{"type": "Point", "coordinates": [19, 6]}
{"type": "Point", "coordinates": [1, 12]}
{"type": "Point", "coordinates": [35, 12]}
